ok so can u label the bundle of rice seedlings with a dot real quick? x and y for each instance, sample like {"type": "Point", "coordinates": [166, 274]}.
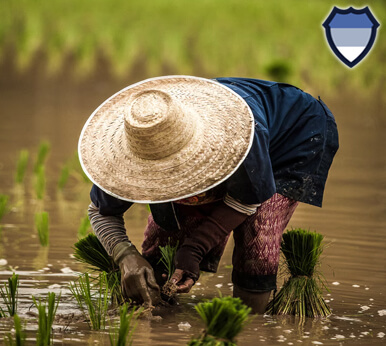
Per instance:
{"type": "Point", "coordinates": [302, 293]}
{"type": "Point", "coordinates": [21, 166]}
{"type": "Point", "coordinates": [47, 311]}
{"type": "Point", "coordinates": [127, 323]}
{"type": "Point", "coordinates": [9, 294]}
{"type": "Point", "coordinates": [224, 318]}
{"type": "Point", "coordinates": [90, 251]}
{"type": "Point", "coordinates": [168, 252]}
{"type": "Point", "coordinates": [3, 205]}
{"type": "Point", "coordinates": [41, 223]}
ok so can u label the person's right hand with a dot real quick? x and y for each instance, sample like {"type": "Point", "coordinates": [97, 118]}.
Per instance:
{"type": "Point", "coordinates": [137, 276]}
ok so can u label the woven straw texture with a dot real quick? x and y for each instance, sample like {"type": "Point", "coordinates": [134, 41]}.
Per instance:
{"type": "Point", "coordinates": [166, 138]}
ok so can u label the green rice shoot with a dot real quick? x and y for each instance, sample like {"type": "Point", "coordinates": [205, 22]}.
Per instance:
{"type": "Point", "coordinates": [44, 149]}
{"type": "Point", "coordinates": [84, 227]}
{"type": "Point", "coordinates": [302, 293]}
{"type": "Point", "coordinates": [94, 305]}
{"type": "Point", "coordinates": [46, 311]}
{"type": "Point", "coordinates": [168, 252]}
{"type": "Point", "coordinates": [40, 182]}
{"type": "Point", "coordinates": [224, 319]}
{"type": "Point", "coordinates": [72, 169]}
{"type": "Point", "coordinates": [9, 294]}
{"type": "Point", "coordinates": [41, 224]}
{"type": "Point", "coordinates": [3, 205]}
{"type": "Point", "coordinates": [63, 178]}
{"type": "Point", "coordinates": [21, 166]}
{"type": "Point", "coordinates": [20, 335]}
{"type": "Point", "coordinates": [123, 335]}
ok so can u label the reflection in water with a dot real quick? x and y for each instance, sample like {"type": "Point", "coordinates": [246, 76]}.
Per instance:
{"type": "Point", "coordinates": [353, 220]}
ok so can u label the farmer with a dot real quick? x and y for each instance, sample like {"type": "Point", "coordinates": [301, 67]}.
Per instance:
{"type": "Point", "coordinates": [209, 156]}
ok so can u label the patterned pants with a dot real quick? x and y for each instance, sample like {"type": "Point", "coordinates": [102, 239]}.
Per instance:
{"type": "Point", "coordinates": [257, 244]}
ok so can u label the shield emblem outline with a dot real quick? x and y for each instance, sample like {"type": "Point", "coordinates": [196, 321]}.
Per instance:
{"type": "Point", "coordinates": [331, 42]}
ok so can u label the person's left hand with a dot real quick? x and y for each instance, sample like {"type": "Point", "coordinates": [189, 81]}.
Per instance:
{"type": "Point", "coordinates": [184, 282]}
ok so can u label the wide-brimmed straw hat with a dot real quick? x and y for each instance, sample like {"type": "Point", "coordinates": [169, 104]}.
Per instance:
{"type": "Point", "coordinates": [166, 138]}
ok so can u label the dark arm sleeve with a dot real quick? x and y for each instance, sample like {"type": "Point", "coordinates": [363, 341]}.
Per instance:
{"type": "Point", "coordinates": [106, 218]}
{"type": "Point", "coordinates": [107, 204]}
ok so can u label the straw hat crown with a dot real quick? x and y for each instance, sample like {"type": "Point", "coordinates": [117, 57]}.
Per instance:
{"type": "Point", "coordinates": [157, 126]}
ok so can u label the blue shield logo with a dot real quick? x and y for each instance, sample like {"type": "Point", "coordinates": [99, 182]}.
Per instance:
{"type": "Point", "coordinates": [351, 33]}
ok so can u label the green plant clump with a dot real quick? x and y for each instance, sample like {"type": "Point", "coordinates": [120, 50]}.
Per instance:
{"type": "Point", "coordinates": [41, 223]}
{"type": "Point", "coordinates": [127, 323]}
{"type": "Point", "coordinates": [40, 182]}
{"type": "Point", "coordinates": [9, 294]}
{"type": "Point", "coordinates": [224, 319]}
{"type": "Point", "coordinates": [302, 293]}
{"type": "Point", "coordinates": [3, 205]}
{"type": "Point", "coordinates": [94, 308]}
{"type": "Point", "coordinates": [72, 168]}
{"type": "Point", "coordinates": [168, 252]}
{"type": "Point", "coordinates": [47, 311]}
{"type": "Point", "coordinates": [21, 166]}
{"type": "Point", "coordinates": [63, 178]}
{"type": "Point", "coordinates": [20, 334]}
{"type": "Point", "coordinates": [90, 251]}
{"type": "Point", "coordinates": [44, 149]}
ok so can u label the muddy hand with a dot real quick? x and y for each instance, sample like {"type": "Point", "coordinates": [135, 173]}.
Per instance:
{"type": "Point", "coordinates": [183, 281]}
{"type": "Point", "coordinates": [137, 275]}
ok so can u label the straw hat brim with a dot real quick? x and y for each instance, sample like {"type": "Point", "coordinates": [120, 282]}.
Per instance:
{"type": "Point", "coordinates": [218, 147]}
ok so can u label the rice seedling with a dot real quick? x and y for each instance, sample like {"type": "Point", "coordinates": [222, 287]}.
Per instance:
{"type": "Point", "coordinates": [21, 166]}
{"type": "Point", "coordinates": [40, 182]}
{"type": "Point", "coordinates": [90, 251]}
{"type": "Point", "coordinates": [9, 294]}
{"type": "Point", "coordinates": [302, 293]}
{"type": "Point", "coordinates": [44, 149]}
{"type": "Point", "coordinates": [72, 168]}
{"type": "Point", "coordinates": [3, 205]}
{"type": "Point", "coordinates": [63, 178]}
{"type": "Point", "coordinates": [20, 334]}
{"type": "Point", "coordinates": [46, 311]}
{"type": "Point", "coordinates": [84, 227]}
{"type": "Point", "coordinates": [93, 306]}
{"type": "Point", "coordinates": [168, 252]}
{"type": "Point", "coordinates": [127, 323]}
{"type": "Point", "coordinates": [41, 224]}
{"type": "Point", "coordinates": [224, 319]}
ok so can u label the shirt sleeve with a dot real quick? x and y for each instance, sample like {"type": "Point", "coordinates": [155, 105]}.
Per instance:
{"type": "Point", "coordinates": [109, 229]}
{"type": "Point", "coordinates": [248, 209]}
{"type": "Point", "coordinates": [106, 217]}
{"type": "Point", "coordinates": [108, 205]}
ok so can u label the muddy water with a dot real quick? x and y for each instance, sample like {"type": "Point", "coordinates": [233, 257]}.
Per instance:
{"type": "Point", "coordinates": [353, 221]}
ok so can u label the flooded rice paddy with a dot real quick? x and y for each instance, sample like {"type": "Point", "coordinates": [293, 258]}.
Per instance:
{"type": "Point", "coordinates": [353, 221]}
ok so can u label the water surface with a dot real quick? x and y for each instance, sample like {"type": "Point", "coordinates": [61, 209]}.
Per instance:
{"type": "Point", "coordinates": [353, 220]}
